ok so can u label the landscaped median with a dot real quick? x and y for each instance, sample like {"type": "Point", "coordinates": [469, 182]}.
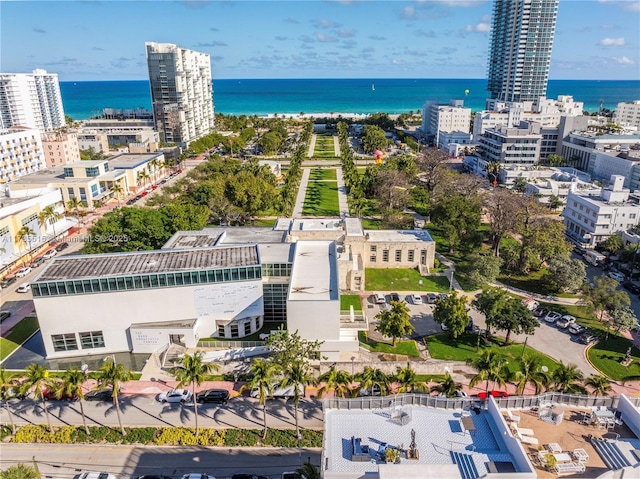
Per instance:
{"type": "Point", "coordinates": [405, 348]}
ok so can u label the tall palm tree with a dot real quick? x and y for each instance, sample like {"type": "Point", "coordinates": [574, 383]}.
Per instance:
{"type": "Point", "coordinates": [193, 371]}
{"type": "Point", "coordinates": [599, 384]}
{"type": "Point", "coordinates": [37, 377]}
{"type": "Point", "coordinates": [408, 380]}
{"type": "Point", "coordinates": [308, 471]}
{"type": "Point", "coordinates": [73, 206]}
{"type": "Point", "coordinates": [24, 236]}
{"type": "Point", "coordinates": [112, 374]}
{"type": "Point", "coordinates": [297, 375]}
{"type": "Point", "coordinates": [155, 165]}
{"type": "Point", "coordinates": [71, 386]}
{"type": "Point", "coordinates": [51, 216]}
{"type": "Point", "coordinates": [531, 373]}
{"type": "Point", "coordinates": [143, 177]}
{"type": "Point", "coordinates": [371, 377]}
{"type": "Point", "coordinates": [7, 384]}
{"type": "Point", "coordinates": [567, 378]}
{"type": "Point", "coordinates": [117, 189]}
{"type": "Point", "coordinates": [484, 362]}
{"type": "Point", "coordinates": [447, 386]}
{"type": "Point", "coordinates": [337, 380]}
{"type": "Point", "coordinates": [263, 378]}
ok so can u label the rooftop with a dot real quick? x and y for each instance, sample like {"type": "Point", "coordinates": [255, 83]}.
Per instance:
{"type": "Point", "coordinates": [314, 276]}
{"type": "Point", "coordinates": [400, 236]}
{"type": "Point", "coordinates": [316, 224]}
{"type": "Point", "coordinates": [85, 163]}
{"type": "Point", "coordinates": [131, 160]}
{"type": "Point", "coordinates": [146, 262]}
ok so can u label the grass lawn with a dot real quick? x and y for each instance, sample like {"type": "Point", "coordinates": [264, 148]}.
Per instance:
{"type": "Point", "coordinates": [607, 354]}
{"type": "Point", "coordinates": [533, 282]}
{"type": "Point", "coordinates": [406, 348]}
{"type": "Point", "coordinates": [321, 200]}
{"type": "Point", "coordinates": [347, 300]}
{"type": "Point", "coordinates": [264, 222]}
{"type": "Point", "coordinates": [369, 224]}
{"type": "Point", "coordinates": [322, 174]}
{"type": "Point", "coordinates": [403, 279]}
{"type": "Point", "coordinates": [18, 335]}
{"type": "Point", "coordinates": [443, 346]}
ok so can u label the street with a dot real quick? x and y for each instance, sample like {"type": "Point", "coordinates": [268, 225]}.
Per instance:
{"type": "Point", "coordinates": [58, 461]}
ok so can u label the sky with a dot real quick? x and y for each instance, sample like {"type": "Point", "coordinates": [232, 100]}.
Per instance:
{"type": "Point", "coordinates": [84, 40]}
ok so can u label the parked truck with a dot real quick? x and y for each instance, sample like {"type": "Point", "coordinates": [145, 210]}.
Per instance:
{"type": "Point", "coordinates": [594, 258]}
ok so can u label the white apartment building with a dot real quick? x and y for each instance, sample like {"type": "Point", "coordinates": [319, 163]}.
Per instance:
{"type": "Point", "coordinates": [20, 152]}
{"type": "Point", "coordinates": [579, 148]}
{"type": "Point", "coordinates": [446, 123]}
{"type": "Point", "coordinates": [592, 216]}
{"type": "Point", "coordinates": [627, 114]}
{"type": "Point", "coordinates": [60, 148]}
{"type": "Point", "coordinates": [625, 163]}
{"type": "Point", "coordinates": [511, 146]}
{"type": "Point", "coordinates": [181, 92]}
{"type": "Point", "coordinates": [31, 99]}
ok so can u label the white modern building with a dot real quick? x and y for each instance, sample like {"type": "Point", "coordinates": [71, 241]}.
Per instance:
{"type": "Point", "coordinates": [594, 215]}
{"type": "Point", "coordinates": [511, 146]}
{"type": "Point", "coordinates": [181, 92]}
{"type": "Point", "coordinates": [579, 148]}
{"type": "Point", "coordinates": [522, 34]}
{"type": "Point", "coordinates": [21, 152]}
{"type": "Point", "coordinates": [625, 163]}
{"type": "Point", "coordinates": [627, 114]}
{"type": "Point", "coordinates": [446, 124]}
{"type": "Point", "coordinates": [31, 99]}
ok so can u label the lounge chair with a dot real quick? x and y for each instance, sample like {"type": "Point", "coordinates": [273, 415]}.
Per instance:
{"type": "Point", "coordinates": [528, 440]}
{"type": "Point", "coordinates": [511, 417]}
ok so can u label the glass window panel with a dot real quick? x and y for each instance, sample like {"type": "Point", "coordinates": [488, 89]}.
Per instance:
{"type": "Point", "coordinates": [146, 282]}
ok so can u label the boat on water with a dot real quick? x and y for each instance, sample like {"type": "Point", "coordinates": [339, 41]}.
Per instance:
{"type": "Point", "coordinates": [373, 87]}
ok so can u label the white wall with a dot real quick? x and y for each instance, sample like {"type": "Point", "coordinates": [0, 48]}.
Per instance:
{"type": "Point", "coordinates": [314, 320]}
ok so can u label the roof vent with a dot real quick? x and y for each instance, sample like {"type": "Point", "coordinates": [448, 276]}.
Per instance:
{"type": "Point", "coordinates": [152, 262]}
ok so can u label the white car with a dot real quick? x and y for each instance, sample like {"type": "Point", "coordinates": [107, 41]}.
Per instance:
{"type": "Point", "coordinates": [50, 254]}
{"type": "Point", "coordinates": [565, 321]}
{"type": "Point", "coordinates": [96, 475]}
{"type": "Point", "coordinates": [197, 475]}
{"type": "Point", "coordinates": [22, 272]}
{"type": "Point", "coordinates": [552, 317]}
{"type": "Point", "coordinates": [612, 274]}
{"type": "Point", "coordinates": [176, 395]}
{"type": "Point", "coordinates": [24, 288]}
{"type": "Point", "coordinates": [416, 299]}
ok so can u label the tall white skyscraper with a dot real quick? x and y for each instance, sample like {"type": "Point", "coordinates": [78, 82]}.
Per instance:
{"type": "Point", "coordinates": [32, 100]}
{"type": "Point", "coordinates": [520, 52]}
{"type": "Point", "coordinates": [181, 92]}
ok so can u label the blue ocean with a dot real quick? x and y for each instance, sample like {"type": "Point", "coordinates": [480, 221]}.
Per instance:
{"type": "Point", "coordinates": [82, 100]}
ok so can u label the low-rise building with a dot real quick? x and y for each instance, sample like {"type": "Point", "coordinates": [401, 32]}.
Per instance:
{"type": "Point", "coordinates": [627, 114]}
{"type": "Point", "coordinates": [444, 124]}
{"type": "Point", "coordinates": [580, 147]}
{"type": "Point", "coordinates": [20, 152]}
{"type": "Point", "coordinates": [511, 146]}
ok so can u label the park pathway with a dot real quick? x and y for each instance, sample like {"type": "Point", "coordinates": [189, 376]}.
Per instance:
{"type": "Point", "coordinates": [302, 190]}
{"type": "Point", "coordinates": [336, 146]}
{"type": "Point", "coordinates": [342, 194]}
{"type": "Point", "coordinates": [312, 146]}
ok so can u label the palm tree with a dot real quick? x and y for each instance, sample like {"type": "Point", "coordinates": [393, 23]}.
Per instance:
{"type": "Point", "coordinates": [297, 375]}
{"type": "Point", "coordinates": [112, 374]}
{"type": "Point", "coordinates": [143, 177]}
{"type": "Point", "coordinates": [408, 380]}
{"type": "Point", "coordinates": [600, 384]}
{"type": "Point", "coordinates": [117, 190]}
{"type": "Point", "coordinates": [371, 377]}
{"type": "Point", "coordinates": [71, 386]}
{"type": "Point", "coordinates": [155, 165]}
{"type": "Point", "coordinates": [7, 384]}
{"type": "Point", "coordinates": [37, 377]}
{"type": "Point", "coordinates": [24, 236]}
{"type": "Point", "coordinates": [531, 373]}
{"type": "Point", "coordinates": [264, 376]}
{"type": "Point", "coordinates": [566, 379]}
{"type": "Point", "coordinates": [74, 205]}
{"type": "Point", "coordinates": [20, 471]}
{"type": "Point", "coordinates": [493, 170]}
{"type": "Point", "coordinates": [484, 362]}
{"type": "Point", "coordinates": [308, 471]}
{"type": "Point", "coordinates": [51, 216]}
{"type": "Point", "coordinates": [447, 386]}
{"type": "Point", "coordinates": [336, 379]}
{"type": "Point", "coordinates": [193, 371]}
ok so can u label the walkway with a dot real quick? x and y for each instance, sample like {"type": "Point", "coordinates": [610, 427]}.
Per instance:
{"type": "Point", "coordinates": [336, 145]}
{"type": "Point", "coordinates": [312, 146]}
{"type": "Point", "coordinates": [342, 194]}
{"type": "Point", "coordinates": [302, 190]}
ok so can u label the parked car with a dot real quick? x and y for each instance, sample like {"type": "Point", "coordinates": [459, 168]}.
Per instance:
{"type": "Point", "coordinates": [50, 395]}
{"type": "Point", "coordinates": [459, 394]}
{"type": "Point", "coordinates": [552, 317]}
{"type": "Point", "coordinates": [394, 297]}
{"type": "Point", "coordinates": [105, 395]}
{"type": "Point", "coordinates": [22, 272]}
{"type": "Point", "coordinates": [577, 328]}
{"type": "Point", "coordinates": [632, 287]}
{"type": "Point", "coordinates": [379, 298]}
{"type": "Point", "coordinates": [24, 288]}
{"type": "Point", "coordinates": [50, 254]}
{"type": "Point", "coordinates": [248, 476]}
{"type": "Point", "coordinates": [372, 391]}
{"type": "Point", "coordinates": [95, 475]}
{"type": "Point", "coordinates": [494, 393]}
{"type": "Point", "coordinates": [8, 281]}
{"type": "Point", "coordinates": [61, 246]}
{"type": "Point", "coordinates": [218, 396]}
{"type": "Point", "coordinates": [618, 276]}
{"type": "Point", "coordinates": [432, 298]}
{"type": "Point", "coordinates": [416, 299]}
{"type": "Point", "coordinates": [153, 476]}
{"type": "Point", "coordinates": [197, 475]}
{"type": "Point", "coordinates": [4, 315]}
{"type": "Point", "coordinates": [588, 338]}
{"type": "Point", "coordinates": [37, 262]}
{"type": "Point", "coordinates": [175, 395]}
{"type": "Point", "coordinates": [444, 327]}
{"type": "Point", "coordinates": [565, 321]}
{"type": "Point", "coordinates": [540, 312]}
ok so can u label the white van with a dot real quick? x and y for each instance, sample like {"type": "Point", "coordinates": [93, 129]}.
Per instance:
{"type": "Point", "coordinates": [380, 298]}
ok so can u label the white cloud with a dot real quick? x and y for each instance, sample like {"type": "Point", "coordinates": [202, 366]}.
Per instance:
{"type": "Point", "coordinates": [407, 13]}
{"type": "Point", "coordinates": [608, 42]}
{"type": "Point", "coordinates": [624, 61]}
{"type": "Point", "coordinates": [483, 27]}
{"type": "Point", "coordinates": [321, 37]}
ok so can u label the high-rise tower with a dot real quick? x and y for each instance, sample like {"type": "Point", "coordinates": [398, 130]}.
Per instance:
{"type": "Point", "coordinates": [181, 92]}
{"type": "Point", "coordinates": [521, 39]}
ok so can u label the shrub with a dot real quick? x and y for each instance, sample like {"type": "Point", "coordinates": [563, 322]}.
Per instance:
{"type": "Point", "coordinates": [242, 437]}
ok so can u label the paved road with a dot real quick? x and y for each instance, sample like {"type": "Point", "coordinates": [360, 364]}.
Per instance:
{"type": "Point", "coordinates": [144, 410]}
{"type": "Point", "coordinates": [58, 461]}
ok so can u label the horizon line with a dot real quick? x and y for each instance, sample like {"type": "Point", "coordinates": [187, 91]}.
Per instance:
{"type": "Point", "coordinates": [354, 78]}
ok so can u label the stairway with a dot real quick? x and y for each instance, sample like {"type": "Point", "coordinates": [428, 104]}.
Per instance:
{"type": "Point", "coordinates": [610, 454]}
{"type": "Point", "coordinates": [173, 353]}
{"type": "Point", "coordinates": [465, 464]}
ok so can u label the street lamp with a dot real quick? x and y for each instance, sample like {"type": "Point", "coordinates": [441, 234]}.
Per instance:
{"type": "Point", "coordinates": [112, 357]}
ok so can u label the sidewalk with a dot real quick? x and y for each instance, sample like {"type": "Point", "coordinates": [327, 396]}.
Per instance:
{"type": "Point", "coordinates": [342, 194]}
{"type": "Point", "coordinates": [302, 192]}
{"type": "Point", "coordinates": [312, 146]}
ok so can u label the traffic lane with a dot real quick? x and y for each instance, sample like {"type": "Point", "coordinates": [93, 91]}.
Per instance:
{"type": "Point", "coordinates": [145, 410]}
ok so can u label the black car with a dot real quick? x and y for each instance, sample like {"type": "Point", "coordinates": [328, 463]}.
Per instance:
{"type": "Point", "coordinates": [62, 246]}
{"type": "Point", "coordinates": [99, 395]}
{"type": "Point", "coordinates": [9, 280]}
{"type": "Point", "coordinates": [218, 396]}
{"type": "Point", "coordinates": [587, 338]}
{"type": "Point", "coordinates": [4, 315]}
{"type": "Point", "coordinates": [394, 297]}
{"type": "Point", "coordinates": [248, 476]}
{"type": "Point", "coordinates": [632, 287]}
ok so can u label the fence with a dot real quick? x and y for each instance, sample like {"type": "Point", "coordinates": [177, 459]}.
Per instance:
{"type": "Point", "coordinates": [230, 344]}
{"type": "Point", "coordinates": [578, 400]}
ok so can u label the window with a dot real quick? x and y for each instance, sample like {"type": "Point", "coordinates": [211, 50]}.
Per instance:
{"type": "Point", "coordinates": [374, 248]}
{"type": "Point", "coordinates": [398, 255]}
{"type": "Point", "coordinates": [372, 258]}
{"type": "Point", "coordinates": [385, 255]}
{"type": "Point", "coordinates": [221, 331]}
{"type": "Point", "coordinates": [410, 255]}
{"type": "Point", "coordinates": [68, 172]}
{"type": "Point", "coordinates": [91, 340]}
{"type": "Point", "coordinates": [247, 328]}
{"type": "Point", "coordinates": [64, 342]}
{"type": "Point", "coordinates": [234, 331]}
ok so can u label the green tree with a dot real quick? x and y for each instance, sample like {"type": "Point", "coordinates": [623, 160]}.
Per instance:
{"type": "Point", "coordinates": [490, 302]}
{"type": "Point", "coordinates": [307, 471]}
{"type": "Point", "coordinates": [407, 380]}
{"type": "Point", "coordinates": [555, 160]}
{"type": "Point", "coordinates": [600, 385]}
{"type": "Point", "coordinates": [264, 376]}
{"type": "Point", "coordinates": [51, 216]}
{"type": "Point", "coordinates": [567, 378]}
{"type": "Point", "coordinates": [71, 386]}
{"type": "Point", "coordinates": [373, 138]}
{"type": "Point", "coordinates": [623, 319]}
{"type": "Point", "coordinates": [520, 184]}
{"type": "Point", "coordinates": [564, 274]}
{"type": "Point", "coordinates": [447, 387]}
{"type": "Point", "coordinates": [118, 190]}
{"type": "Point", "coordinates": [555, 203]}
{"type": "Point", "coordinates": [298, 376]}
{"type": "Point", "coordinates": [395, 322]}
{"type": "Point", "coordinates": [142, 178]}
{"type": "Point", "coordinates": [335, 380]}
{"type": "Point", "coordinates": [112, 374]}
{"type": "Point", "coordinates": [504, 211]}
{"type": "Point", "coordinates": [613, 243]}
{"type": "Point", "coordinates": [371, 377]}
{"type": "Point", "coordinates": [452, 312]}
{"type": "Point", "coordinates": [8, 384]}
{"type": "Point", "coordinates": [37, 378]}
{"type": "Point", "coordinates": [24, 236]}
{"type": "Point", "coordinates": [287, 347]}
{"type": "Point", "coordinates": [20, 471]}
{"type": "Point", "coordinates": [483, 268]}
{"type": "Point", "coordinates": [458, 217]}
{"type": "Point", "coordinates": [604, 296]}
{"type": "Point", "coordinates": [484, 363]}
{"type": "Point", "coordinates": [193, 370]}
{"type": "Point", "coordinates": [541, 239]}
{"type": "Point", "coordinates": [493, 171]}
{"type": "Point", "coordinates": [531, 373]}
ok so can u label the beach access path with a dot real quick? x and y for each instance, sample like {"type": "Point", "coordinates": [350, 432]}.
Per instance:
{"type": "Point", "coordinates": [302, 192]}
{"type": "Point", "coordinates": [312, 147]}
{"type": "Point", "coordinates": [336, 145]}
{"type": "Point", "coordinates": [342, 194]}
